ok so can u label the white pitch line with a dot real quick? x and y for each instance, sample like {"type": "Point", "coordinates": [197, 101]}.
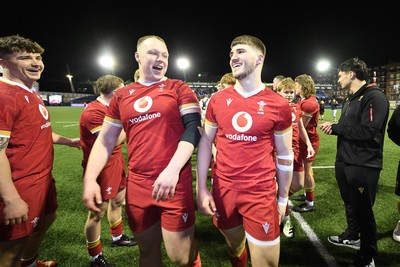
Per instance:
{"type": "Point", "coordinates": [329, 259]}
{"type": "Point", "coordinates": [71, 125]}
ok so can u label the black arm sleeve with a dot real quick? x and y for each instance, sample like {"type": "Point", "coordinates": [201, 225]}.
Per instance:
{"type": "Point", "coordinates": [191, 122]}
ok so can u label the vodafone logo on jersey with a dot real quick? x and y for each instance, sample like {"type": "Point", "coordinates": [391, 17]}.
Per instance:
{"type": "Point", "coordinates": [242, 121]}
{"type": "Point", "coordinates": [43, 110]}
{"type": "Point", "coordinates": [143, 104]}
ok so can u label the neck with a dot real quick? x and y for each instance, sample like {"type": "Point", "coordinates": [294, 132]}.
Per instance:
{"type": "Point", "coordinates": [356, 85]}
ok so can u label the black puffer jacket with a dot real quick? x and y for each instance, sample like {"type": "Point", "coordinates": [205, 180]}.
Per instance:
{"type": "Point", "coordinates": [361, 128]}
{"type": "Point", "coordinates": [393, 129]}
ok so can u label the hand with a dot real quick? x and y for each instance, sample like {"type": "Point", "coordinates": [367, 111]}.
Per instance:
{"type": "Point", "coordinates": [281, 212]}
{"type": "Point", "coordinates": [91, 196]}
{"type": "Point", "coordinates": [15, 212]}
{"type": "Point", "coordinates": [205, 202]}
{"type": "Point", "coordinates": [165, 185]}
{"type": "Point", "coordinates": [326, 127]}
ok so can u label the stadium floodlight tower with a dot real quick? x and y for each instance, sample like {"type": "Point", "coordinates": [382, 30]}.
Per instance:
{"type": "Point", "coordinates": [183, 63]}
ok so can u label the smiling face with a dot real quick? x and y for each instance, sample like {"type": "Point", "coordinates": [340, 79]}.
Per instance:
{"type": "Point", "coordinates": [152, 56]}
{"type": "Point", "coordinates": [22, 67]}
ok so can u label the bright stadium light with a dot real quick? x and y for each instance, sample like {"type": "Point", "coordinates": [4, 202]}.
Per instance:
{"type": "Point", "coordinates": [107, 61]}
{"type": "Point", "coordinates": [183, 64]}
{"type": "Point", "coordinates": [323, 65]}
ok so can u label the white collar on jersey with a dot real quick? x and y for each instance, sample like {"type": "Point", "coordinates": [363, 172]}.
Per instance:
{"type": "Point", "coordinates": [23, 86]}
{"type": "Point", "coordinates": [251, 93]}
{"type": "Point", "coordinates": [151, 83]}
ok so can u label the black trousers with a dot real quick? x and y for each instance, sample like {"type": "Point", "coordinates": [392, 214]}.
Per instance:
{"type": "Point", "coordinates": [358, 187]}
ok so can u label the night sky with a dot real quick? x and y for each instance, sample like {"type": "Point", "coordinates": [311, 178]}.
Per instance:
{"type": "Point", "coordinates": [296, 36]}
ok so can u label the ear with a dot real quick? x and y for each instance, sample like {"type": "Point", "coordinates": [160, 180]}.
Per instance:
{"type": "Point", "coordinates": [137, 57]}
{"type": "Point", "coordinates": [260, 59]}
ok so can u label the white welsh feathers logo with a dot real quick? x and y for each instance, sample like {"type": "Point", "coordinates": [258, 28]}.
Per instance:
{"type": "Point", "coordinates": [43, 110]}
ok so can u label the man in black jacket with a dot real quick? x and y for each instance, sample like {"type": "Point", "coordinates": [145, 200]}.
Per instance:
{"type": "Point", "coordinates": [361, 133]}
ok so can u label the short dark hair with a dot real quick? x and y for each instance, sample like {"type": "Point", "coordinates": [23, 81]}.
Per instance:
{"type": "Point", "coordinates": [357, 66]}
{"type": "Point", "coordinates": [16, 43]}
{"type": "Point", "coordinates": [251, 41]}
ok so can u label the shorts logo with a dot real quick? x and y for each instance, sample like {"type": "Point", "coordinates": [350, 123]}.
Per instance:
{"type": "Point", "coordinates": [43, 110]}
{"type": "Point", "coordinates": [266, 227]}
{"type": "Point", "coordinates": [242, 121]}
{"type": "Point", "coordinates": [143, 104]}
{"type": "Point", "coordinates": [109, 190]}
{"type": "Point", "coordinates": [185, 217]}
{"type": "Point", "coordinates": [35, 221]}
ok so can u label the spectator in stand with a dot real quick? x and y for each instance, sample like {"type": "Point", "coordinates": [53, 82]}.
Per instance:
{"type": "Point", "coordinates": [321, 109]}
{"type": "Point", "coordinates": [334, 106]}
{"type": "Point", "coordinates": [112, 178]}
{"type": "Point", "coordinates": [287, 89]}
{"type": "Point", "coordinates": [28, 197]}
{"type": "Point", "coordinates": [161, 118]}
{"type": "Point", "coordinates": [393, 131]}
{"type": "Point", "coordinates": [309, 106]}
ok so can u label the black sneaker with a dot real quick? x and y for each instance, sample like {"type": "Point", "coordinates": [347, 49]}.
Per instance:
{"type": "Point", "coordinates": [303, 208]}
{"type": "Point", "coordinates": [124, 241]}
{"type": "Point", "coordinates": [100, 261]}
{"type": "Point", "coordinates": [345, 240]}
{"type": "Point", "coordinates": [362, 261]}
{"type": "Point", "coordinates": [301, 197]}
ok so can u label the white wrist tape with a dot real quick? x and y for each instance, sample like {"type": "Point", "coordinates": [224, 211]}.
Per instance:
{"type": "Point", "coordinates": [285, 167]}
{"type": "Point", "coordinates": [283, 200]}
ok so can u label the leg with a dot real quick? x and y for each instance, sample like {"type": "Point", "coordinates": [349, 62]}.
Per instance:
{"type": "Point", "coordinates": [236, 244]}
{"type": "Point", "coordinates": [181, 247]}
{"type": "Point", "coordinates": [93, 223]}
{"type": "Point", "coordinates": [149, 242]}
{"type": "Point", "coordinates": [11, 252]}
{"type": "Point", "coordinates": [31, 247]}
{"type": "Point", "coordinates": [345, 193]}
{"type": "Point", "coordinates": [264, 256]}
{"type": "Point", "coordinates": [114, 212]}
{"type": "Point", "coordinates": [309, 183]}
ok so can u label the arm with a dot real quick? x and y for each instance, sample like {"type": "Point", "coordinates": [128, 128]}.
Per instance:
{"type": "Point", "coordinates": [165, 183]}
{"type": "Point", "coordinates": [61, 140]}
{"type": "Point", "coordinates": [15, 209]}
{"type": "Point", "coordinates": [374, 108]}
{"type": "Point", "coordinates": [101, 151]}
{"type": "Point", "coordinates": [304, 137]}
{"type": "Point", "coordinates": [205, 201]}
{"type": "Point", "coordinates": [284, 169]}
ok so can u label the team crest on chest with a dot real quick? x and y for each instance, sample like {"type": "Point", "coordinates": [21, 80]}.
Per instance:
{"type": "Point", "coordinates": [161, 87]}
{"type": "Point", "coordinates": [261, 106]}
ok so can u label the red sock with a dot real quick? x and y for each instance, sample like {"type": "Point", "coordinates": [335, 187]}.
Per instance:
{"type": "Point", "coordinates": [94, 248]}
{"type": "Point", "coordinates": [197, 262]}
{"type": "Point", "coordinates": [240, 261]}
{"type": "Point", "coordinates": [117, 228]}
{"type": "Point", "coordinates": [310, 195]}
